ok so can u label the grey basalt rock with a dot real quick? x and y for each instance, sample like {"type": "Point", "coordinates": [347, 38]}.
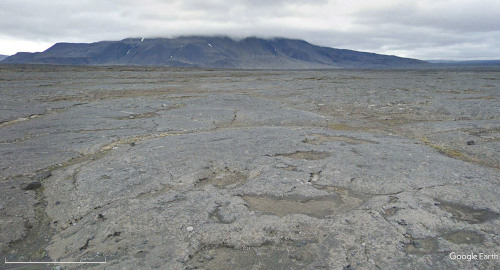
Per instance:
{"type": "Point", "coordinates": [245, 169]}
{"type": "Point", "coordinates": [31, 185]}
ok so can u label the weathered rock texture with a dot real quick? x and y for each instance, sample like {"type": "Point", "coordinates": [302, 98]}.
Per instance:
{"type": "Point", "coordinates": [184, 169]}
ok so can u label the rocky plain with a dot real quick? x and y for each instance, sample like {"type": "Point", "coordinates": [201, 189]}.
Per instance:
{"type": "Point", "coordinates": [163, 168]}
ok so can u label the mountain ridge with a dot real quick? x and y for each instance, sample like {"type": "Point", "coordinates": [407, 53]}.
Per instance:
{"type": "Point", "coordinates": [210, 52]}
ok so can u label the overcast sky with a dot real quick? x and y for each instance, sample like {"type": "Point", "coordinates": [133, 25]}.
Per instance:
{"type": "Point", "coordinates": [424, 29]}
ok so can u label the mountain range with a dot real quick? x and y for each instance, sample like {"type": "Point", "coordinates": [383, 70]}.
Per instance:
{"type": "Point", "coordinates": [210, 52]}
{"type": "Point", "coordinates": [2, 57]}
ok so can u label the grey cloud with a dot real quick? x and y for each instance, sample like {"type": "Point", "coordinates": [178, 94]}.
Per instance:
{"type": "Point", "coordinates": [423, 29]}
{"type": "Point", "coordinates": [469, 16]}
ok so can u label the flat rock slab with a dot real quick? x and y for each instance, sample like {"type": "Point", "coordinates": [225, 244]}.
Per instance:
{"type": "Point", "coordinates": [241, 170]}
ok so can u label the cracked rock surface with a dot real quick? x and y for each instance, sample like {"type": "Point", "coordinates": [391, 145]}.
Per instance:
{"type": "Point", "coordinates": [157, 168]}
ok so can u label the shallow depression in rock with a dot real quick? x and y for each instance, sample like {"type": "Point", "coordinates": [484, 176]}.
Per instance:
{"type": "Point", "coordinates": [321, 138]}
{"type": "Point", "coordinates": [308, 155]}
{"type": "Point", "coordinates": [464, 237]}
{"type": "Point", "coordinates": [315, 207]}
{"type": "Point", "coordinates": [467, 213]}
{"type": "Point", "coordinates": [226, 179]}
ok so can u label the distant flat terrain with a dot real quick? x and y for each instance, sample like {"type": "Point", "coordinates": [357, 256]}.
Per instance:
{"type": "Point", "coordinates": [174, 168]}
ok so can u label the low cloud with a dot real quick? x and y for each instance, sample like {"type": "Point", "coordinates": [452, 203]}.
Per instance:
{"type": "Point", "coordinates": [446, 29]}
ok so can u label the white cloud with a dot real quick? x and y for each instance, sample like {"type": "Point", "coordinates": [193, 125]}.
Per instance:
{"type": "Point", "coordinates": [10, 45]}
{"type": "Point", "coordinates": [423, 29]}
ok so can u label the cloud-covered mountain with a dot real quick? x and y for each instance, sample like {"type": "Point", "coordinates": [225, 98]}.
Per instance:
{"type": "Point", "coordinates": [214, 52]}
